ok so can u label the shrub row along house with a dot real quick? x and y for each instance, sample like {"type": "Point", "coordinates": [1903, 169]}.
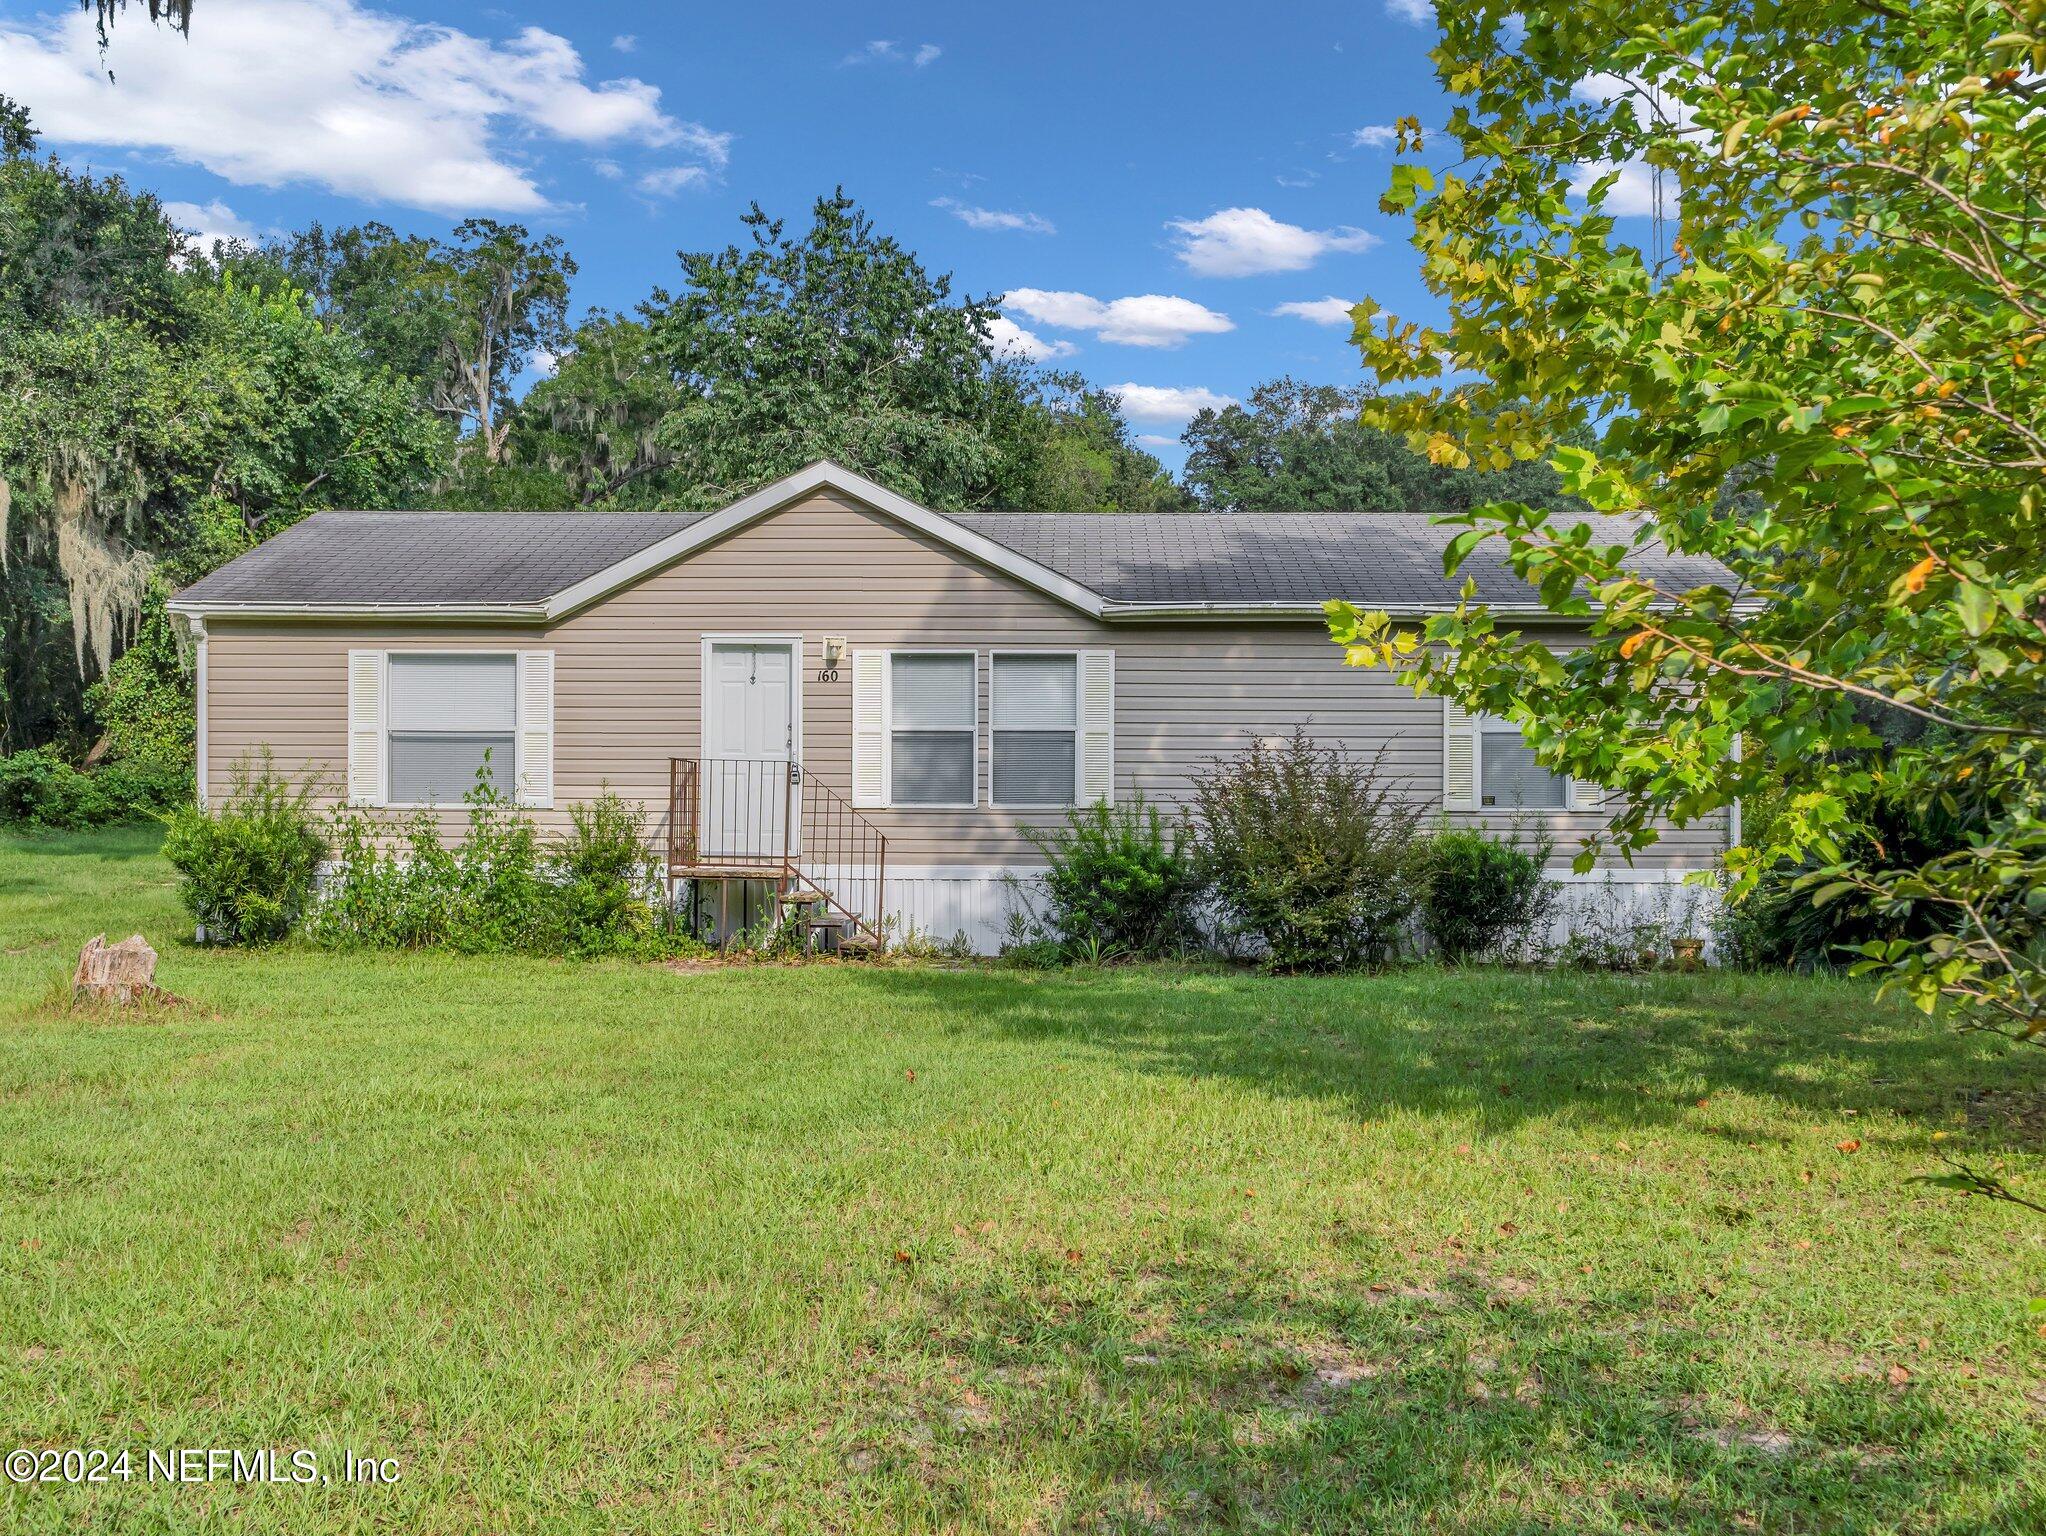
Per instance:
{"type": "Point", "coordinates": [830, 690]}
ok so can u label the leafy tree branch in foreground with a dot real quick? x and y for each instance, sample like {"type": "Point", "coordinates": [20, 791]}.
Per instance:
{"type": "Point", "coordinates": [1827, 375]}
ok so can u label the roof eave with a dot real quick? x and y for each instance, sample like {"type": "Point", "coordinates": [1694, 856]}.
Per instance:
{"type": "Point", "coordinates": [448, 613]}
{"type": "Point", "coordinates": [1297, 612]}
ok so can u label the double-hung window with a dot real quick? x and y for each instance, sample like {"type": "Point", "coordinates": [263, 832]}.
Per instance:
{"type": "Point", "coordinates": [446, 712]}
{"type": "Point", "coordinates": [933, 720]}
{"type": "Point", "coordinates": [1509, 778]}
{"type": "Point", "coordinates": [1034, 729]}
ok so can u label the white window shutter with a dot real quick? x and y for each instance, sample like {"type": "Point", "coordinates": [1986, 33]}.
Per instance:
{"type": "Point", "coordinates": [870, 729]}
{"type": "Point", "coordinates": [366, 728]}
{"type": "Point", "coordinates": [1459, 758]}
{"type": "Point", "coordinates": [1587, 795]}
{"type": "Point", "coordinates": [536, 728]}
{"type": "Point", "coordinates": [1097, 727]}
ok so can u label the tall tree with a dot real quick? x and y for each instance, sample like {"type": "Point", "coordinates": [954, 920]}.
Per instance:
{"type": "Point", "coordinates": [1084, 460]}
{"type": "Point", "coordinates": [461, 317]}
{"type": "Point", "coordinates": [1294, 447]}
{"type": "Point", "coordinates": [834, 343]}
{"type": "Point", "coordinates": [385, 289]}
{"type": "Point", "coordinates": [596, 423]}
{"type": "Point", "coordinates": [507, 297]}
{"type": "Point", "coordinates": [154, 420]}
{"type": "Point", "coordinates": [1297, 447]}
{"type": "Point", "coordinates": [1827, 375]}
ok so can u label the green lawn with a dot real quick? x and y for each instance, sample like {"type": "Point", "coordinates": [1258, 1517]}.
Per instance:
{"type": "Point", "coordinates": [606, 1247]}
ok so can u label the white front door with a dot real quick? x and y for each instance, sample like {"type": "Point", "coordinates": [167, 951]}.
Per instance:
{"type": "Point", "coordinates": [749, 735]}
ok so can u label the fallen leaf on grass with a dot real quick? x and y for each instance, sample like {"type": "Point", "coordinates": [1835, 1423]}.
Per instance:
{"type": "Point", "coordinates": [1851, 1144]}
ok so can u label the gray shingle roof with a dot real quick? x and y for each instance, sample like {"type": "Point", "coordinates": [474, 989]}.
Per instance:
{"type": "Point", "coordinates": [1388, 558]}
{"type": "Point", "coordinates": [461, 558]}
{"type": "Point", "coordinates": [433, 557]}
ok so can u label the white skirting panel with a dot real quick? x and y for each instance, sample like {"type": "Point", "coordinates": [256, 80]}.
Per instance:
{"type": "Point", "coordinates": [936, 902]}
{"type": "Point", "coordinates": [1608, 904]}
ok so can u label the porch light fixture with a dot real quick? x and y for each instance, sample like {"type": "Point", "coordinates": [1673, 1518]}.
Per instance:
{"type": "Point", "coordinates": [834, 652]}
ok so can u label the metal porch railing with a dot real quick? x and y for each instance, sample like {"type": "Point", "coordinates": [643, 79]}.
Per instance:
{"type": "Point", "coordinates": [744, 818]}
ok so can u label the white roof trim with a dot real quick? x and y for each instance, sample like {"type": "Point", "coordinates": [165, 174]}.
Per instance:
{"type": "Point", "coordinates": [439, 612]}
{"type": "Point", "coordinates": [824, 475]}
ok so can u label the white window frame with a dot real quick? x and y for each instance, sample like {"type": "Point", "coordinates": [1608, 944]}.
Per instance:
{"type": "Point", "coordinates": [1079, 712]}
{"type": "Point", "coordinates": [973, 738]}
{"type": "Point", "coordinates": [506, 784]}
{"type": "Point", "coordinates": [1485, 724]}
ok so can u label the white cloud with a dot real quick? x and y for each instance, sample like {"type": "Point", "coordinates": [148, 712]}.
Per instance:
{"type": "Point", "coordinates": [1375, 136]}
{"type": "Point", "coordinates": [1419, 13]}
{"type": "Point", "coordinates": [667, 180]}
{"type": "Point", "coordinates": [1157, 440]}
{"type": "Point", "coordinates": [1154, 402]}
{"type": "Point", "coordinates": [1329, 311]}
{"type": "Point", "coordinates": [1010, 338]}
{"type": "Point", "coordinates": [206, 224]}
{"type": "Point", "coordinates": [1651, 104]}
{"type": "Point", "coordinates": [543, 364]}
{"type": "Point", "coordinates": [331, 94]}
{"type": "Point", "coordinates": [1633, 194]}
{"type": "Point", "coordinates": [885, 50]}
{"type": "Point", "coordinates": [995, 218]}
{"type": "Point", "coordinates": [1239, 242]}
{"type": "Point", "coordinates": [610, 170]}
{"type": "Point", "coordinates": [1142, 320]}
{"type": "Point", "coordinates": [1298, 179]}
{"type": "Point", "coordinates": [625, 42]}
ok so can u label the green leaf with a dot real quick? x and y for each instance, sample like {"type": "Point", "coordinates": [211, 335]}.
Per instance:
{"type": "Point", "coordinates": [1460, 547]}
{"type": "Point", "coordinates": [1978, 607]}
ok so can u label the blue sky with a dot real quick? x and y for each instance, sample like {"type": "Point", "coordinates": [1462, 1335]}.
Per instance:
{"type": "Point", "coordinates": [1151, 183]}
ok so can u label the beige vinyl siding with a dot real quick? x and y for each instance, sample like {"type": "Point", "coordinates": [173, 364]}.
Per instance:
{"type": "Point", "coordinates": [627, 684]}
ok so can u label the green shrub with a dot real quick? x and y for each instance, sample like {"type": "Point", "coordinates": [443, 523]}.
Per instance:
{"type": "Point", "coordinates": [144, 703]}
{"type": "Point", "coordinates": [1119, 882]}
{"type": "Point", "coordinates": [39, 789]}
{"type": "Point", "coordinates": [1311, 854]}
{"type": "Point", "coordinates": [247, 869]}
{"type": "Point", "coordinates": [498, 891]}
{"type": "Point", "coordinates": [1777, 926]}
{"type": "Point", "coordinates": [136, 788]}
{"type": "Point", "coordinates": [1485, 896]}
{"type": "Point", "coordinates": [401, 887]}
{"type": "Point", "coordinates": [607, 874]}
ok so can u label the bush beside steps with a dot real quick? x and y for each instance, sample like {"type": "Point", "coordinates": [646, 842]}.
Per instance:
{"type": "Point", "coordinates": [249, 873]}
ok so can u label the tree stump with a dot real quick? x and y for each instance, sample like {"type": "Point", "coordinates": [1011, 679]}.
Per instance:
{"type": "Point", "coordinates": [116, 973]}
